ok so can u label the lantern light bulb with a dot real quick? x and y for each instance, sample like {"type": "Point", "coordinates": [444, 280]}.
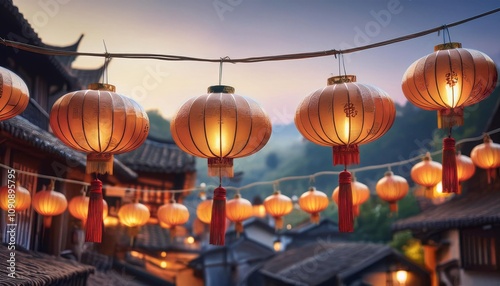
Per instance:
{"type": "Point", "coordinates": [401, 276]}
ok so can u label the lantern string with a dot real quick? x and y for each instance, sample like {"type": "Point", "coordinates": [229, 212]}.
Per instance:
{"type": "Point", "coordinates": [274, 183]}
{"type": "Point", "coordinates": [295, 56]}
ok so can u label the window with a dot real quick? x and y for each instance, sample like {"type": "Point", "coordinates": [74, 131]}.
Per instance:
{"type": "Point", "coordinates": [480, 248]}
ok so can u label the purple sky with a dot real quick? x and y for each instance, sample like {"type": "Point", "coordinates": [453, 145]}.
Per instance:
{"type": "Point", "coordinates": [246, 28]}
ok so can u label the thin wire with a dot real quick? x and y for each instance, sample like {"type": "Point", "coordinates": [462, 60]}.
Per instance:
{"type": "Point", "coordinates": [55, 52]}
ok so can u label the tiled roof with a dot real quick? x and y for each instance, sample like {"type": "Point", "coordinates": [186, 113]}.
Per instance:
{"type": "Point", "coordinates": [22, 129]}
{"type": "Point", "coordinates": [475, 208]}
{"type": "Point", "coordinates": [158, 157]}
{"type": "Point", "coordinates": [329, 259]}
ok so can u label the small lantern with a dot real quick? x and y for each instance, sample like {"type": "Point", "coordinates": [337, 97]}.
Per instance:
{"type": "Point", "coordinates": [133, 215]}
{"type": "Point", "coordinates": [258, 208]}
{"type": "Point", "coordinates": [465, 169]}
{"type": "Point", "coordinates": [204, 211]}
{"type": "Point", "coordinates": [278, 205]}
{"type": "Point", "coordinates": [343, 115]}
{"type": "Point", "coordinates": [79, 208]}
{"type": "Point", "coordinates": [238, 210]}
{"type": "Point", "coordinates": [49, 203]}
{"type": "Point", "coordinates": [392, 188]}
{"type": "Point", "coordinates": [313, 202]}
{"type": "Point", "coordinates": [173, 214]}
{"type": "Point", "coordinates": [426, 173]}
{"type": "Point", "coordinates": [277, 245]}
{"type": "Point", "coordinates": [14, 94]}
{"type": "Point", "coordinates": [487, 156]}
{"type": "Point", "coordinates": [360, 194]}
{"type": "Point", "coordinates": [14, 198]}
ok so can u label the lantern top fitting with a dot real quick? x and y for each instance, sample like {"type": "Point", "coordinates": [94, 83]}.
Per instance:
{"type": "Point", "coordinates": [220, 89]}
{"type": "Point", "coordinates": [341, 79]}
{"type": "Point", "coordinates": [447, 46]}
{"type": "Point", "coordinates": [102, 86]}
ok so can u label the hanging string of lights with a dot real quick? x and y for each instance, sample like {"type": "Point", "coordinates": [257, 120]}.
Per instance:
{"type": "Point", "coordinates": [284, 57]}
{"type": "Point", "coordinates": [264, 183]}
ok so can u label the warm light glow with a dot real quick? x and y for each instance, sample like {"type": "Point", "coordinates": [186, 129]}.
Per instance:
{"type": "Point", "coordinates": [313, 202]}
{"type": "Point", "coordinates": [259, 211]}
{"type": "Point", "coordinates": [278, 205]}
{"type": "Point", "coordinates": [173, 214]}
{"type": "Point", "coordinates": [110, 221]}
{"type": "Point", "coordinates": [136, 254]}
{"type": "Point", "coordinates": [189, 240]}
{"type": "Point", "coordinates": [288, 226]}
{"type": "Point", "coordinates": [392, 188]}
{"type": "Point", "coordinates": [453, 95]}
{"type": "Point", "coordinates": [238, 209]}
{"type": "Point", "coordinates": [401, 276]}
{"type": "Point", "coordinates": [277, 245]}
{"type": "Point", "coordinates": [204, 211]}
{"type": "Point", "coordinates": [133, 214]}
{"type": "Point", "coordinates": [163, 254]}
{"type": "Point", "coordinates": [163, 264]}
{"type": "Point", "coordinates": [347, 130]}
{"type": "Point", "coordinates": [79, 207]}
{"type": "Point", "coordinates": [21, 202]}
{"type": "Point", "coordinates": [427, 173]}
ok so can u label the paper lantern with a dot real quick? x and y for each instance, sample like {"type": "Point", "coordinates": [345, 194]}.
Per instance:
{"type": "Point", "coordinates": [220, 126]}
{"type": "Point", "coordinates": [49, 203]}
{"type": "Point", "coordinates": [79, 208]}
{"type": "Point", "coordinates": [14, 198]}
{"type": "Point", "coordinates": [204, 211]}
{"type": "Point", "coordinates": [392, 188]}
{"type": "Point", "coordinates": [133, 214]}
{"type": "Point", "coordinates": [426, 173]}
{"type": "Point", "coordinates": [14, 94]}
{"type": "Point", "coordinates": [237, 210]}
{"type": "Point", "coordinates": [173, 214]}
{"type": "Point", "coordinates": [258, 208]}
{"type": "Point", "coordinates": [99, 122]}
{"type": "Point", "coordinates": [446, 81]}
{"type": "Point", "coordinates": [360, 194]}
{"type": "Point", "coordinates": [487, 156]}
{"type": "Point", "coordinates": [465, 169]}
{"type": "Point", "coordinates": [343, 115]}
{"type": "Point", "coordinates": [313, 202]}
{"type": "Point", "coordinates": [278, 205]}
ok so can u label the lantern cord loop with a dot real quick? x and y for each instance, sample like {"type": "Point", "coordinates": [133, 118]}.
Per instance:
{"type": "Point", "coordinates": [446, 31]}
{"type": "Point", "coordinates": [220, 67]}
{"type": "Point", "coordinates": [283, 57]}
{"type": "Point", "coordinates": [107, 59]}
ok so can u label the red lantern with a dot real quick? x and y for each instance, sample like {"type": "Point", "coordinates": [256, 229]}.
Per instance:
{"type": "Point", "coordinates": [173, 214]}
{"type": "Point", "coordinates": [427, 173]}
{"type": "Point", "coordinates": [392, 188]}
{"type": "Point", "coordinates": [204, 211]}
{"type": "Point", "coordinates": [220, 126]}
{"type": "Point", "coordinates": [278, 205]}
{"type": "Point", "coordinates": [49, 203]}
{"type": "Point", "coordinates": [360, 194]}
{"type": "Point", "coordinates": [446, 81]}
{"type": "Point", "coordinates": [313, 202]}
{"type": "Point", "coordinates": [487, 156]}
{"type": "Point", "coordinates": [465, 169]}
{"type": "Point", "coordinates": [238, 210]}
{"type": "Point", "coordinates": [14, 94]}
{"type": "Point", "coordinates": [343, 115]}
{"type": "Point", "coordinates": [19, 202]}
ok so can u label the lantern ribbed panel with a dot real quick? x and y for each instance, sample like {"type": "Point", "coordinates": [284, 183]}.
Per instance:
{"type": "Point", "coordinates": [465, 167]}
{"type": "Point", "coordinates": [345, 114]}
{"type": "Point", "coordinates": [486, 155]}
{"type": "Point", "coordinates": [133, 214]}
{"type": "Point", "coordinates": [313, 201]}
{"type": "Point", "coordinates": [79, 207]}
{"type": "Point", "coordinates": [427, 173]}
{"type": "Point", "coordinates": [173, 214]}
{"type": "Point", "coordinates": [428, 82]}
{"type": "Point", "coordinates": [392, 188]}
{"type": "Point", "coordinates": [239, 209]}
{"type": "Point", "coordinates": [278, 205]}
{"type": "Point", "coordinates": [99, 121]}
{"type": "Point", "coordinates": [220, 125]}
{"type": "Point", "coordinates": [360, 193]}
{"type": "Point", "coordinates": [49, 203]}
{"type": "Point", "coordinates": [14, 94]}
{"type": "Point", "coordinates": [21, 202]}
{"type": "Point", "coordinates": [204, 211]}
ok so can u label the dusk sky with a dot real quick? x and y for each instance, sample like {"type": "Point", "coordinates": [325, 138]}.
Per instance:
{"type": "Point", "coordinates": [247, 28]}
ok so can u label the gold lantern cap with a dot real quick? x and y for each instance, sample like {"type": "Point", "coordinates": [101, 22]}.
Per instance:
{"type": "Point", "coordinates": [220, 89]}
{"type": "Point", "coordinates": [447, 46]}
{"type": "Point", "coordinates": [341, 79]}
{"type": "Point", "coordinates": [102, 86]}
{"type": "Point", "coordinates": [388, 173]}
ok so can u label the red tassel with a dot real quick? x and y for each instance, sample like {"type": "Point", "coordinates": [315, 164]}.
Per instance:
{"type": "Point", "coordinates": [450, 180]}
{"type": "Point", "coordinates": [346, 155]}
{"type": "Point", "coordinates": [94, 220]}
{"type": "Point", "coordinates": [218, 223]}
{"type": "Point", "coordinates": [346, 218]}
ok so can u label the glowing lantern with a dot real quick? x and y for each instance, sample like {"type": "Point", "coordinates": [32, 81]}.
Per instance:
{"type": "Point", "coordinates": [258, 208]}
{"type": "Point", "coordinates": [220, 126]}
{"type": "Point", "coordinates": [204, 211]}
{"type": "Point", "coordinates": [19, 202]}
{"type": "Point", "coordinates": [343, 115]}
{"type": "Point", "coordinates": [238, 210]}
{"type": "Point", "coordinates": [14, 94]}
{"type": "Point", "coordinates": [426, 173]}
{"type": "Point", "coordinates": [133, 215]}
{"type": "Point", "coordinates": [313, 202]}
{"type": "Point", "coordinates": [278, 205]}
{"type": "Point", "coordinates": [446, 81]}
{"type": "Point", "coordinates": [360, 194]}
{"type": "Point", "coordinates": [79, 208]}
{"type": "Point", "coordinates": [173, 214]}
{"type": "Point", "coordinates": [487, 156]}
{"type": "Point", "coordinates": [49, 203]}
{"type": "Point", "coordinates": [465, 169]}
{"type": "Point", "coordinates": [392, 188]}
